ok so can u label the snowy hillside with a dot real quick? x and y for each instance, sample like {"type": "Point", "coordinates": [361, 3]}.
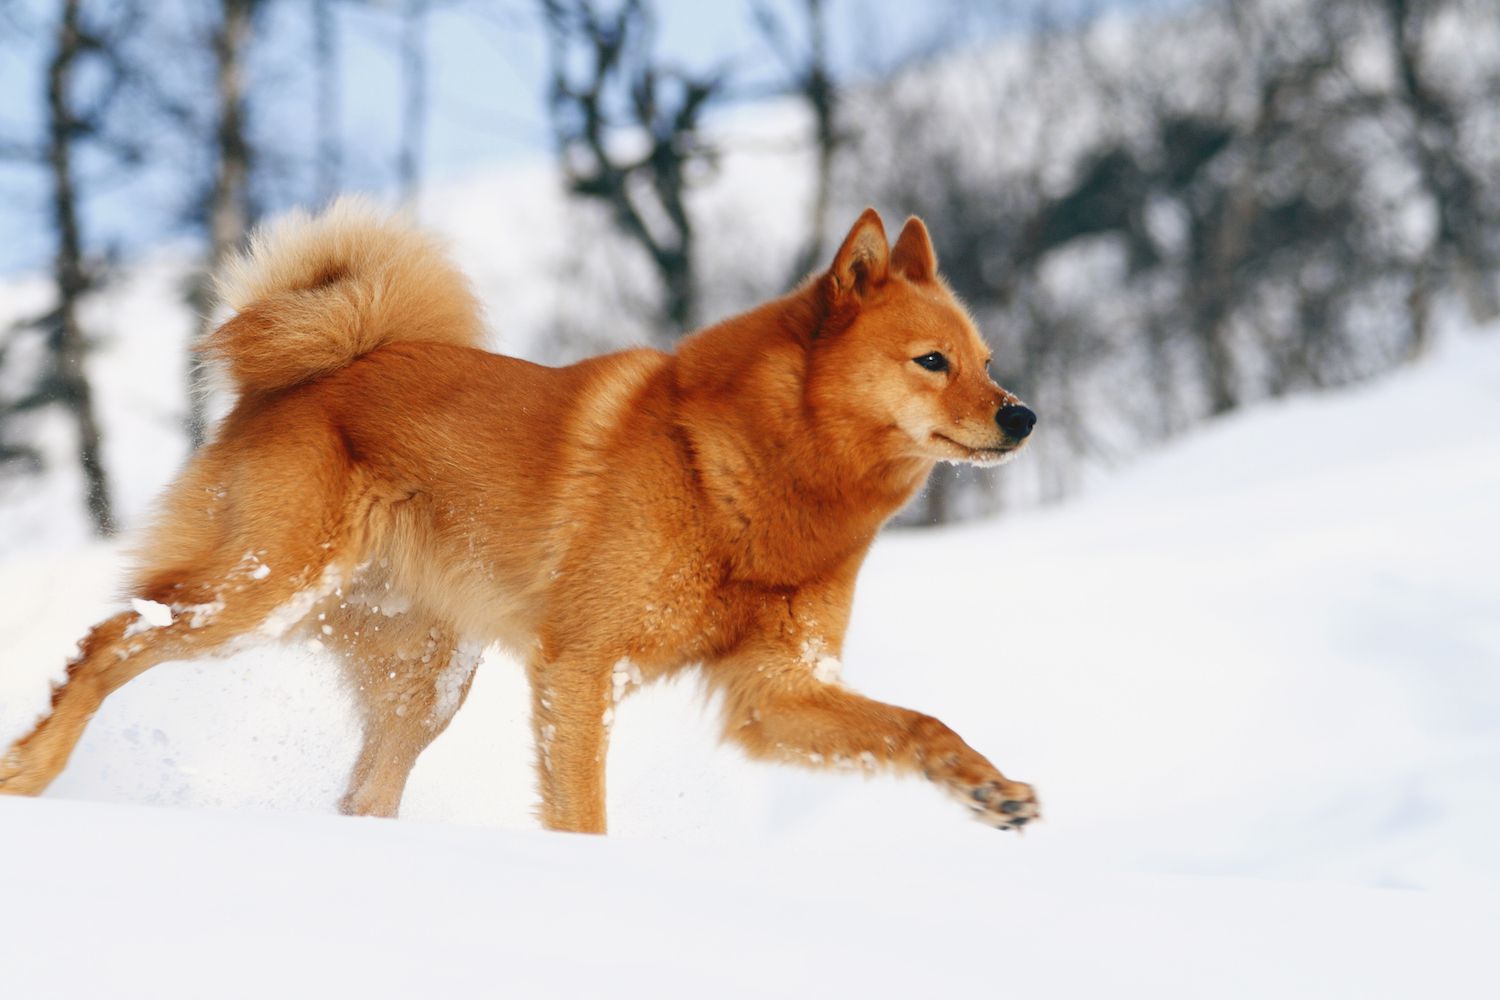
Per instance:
{"type": "Point", "coordinates": [1256, 680]}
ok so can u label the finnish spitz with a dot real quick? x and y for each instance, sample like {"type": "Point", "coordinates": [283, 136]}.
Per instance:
{"type": "Point", "coordinates": [387, 488]}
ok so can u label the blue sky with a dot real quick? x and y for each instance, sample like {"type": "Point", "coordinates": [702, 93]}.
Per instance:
{"type": "Point", "coordinates": [487, 66]}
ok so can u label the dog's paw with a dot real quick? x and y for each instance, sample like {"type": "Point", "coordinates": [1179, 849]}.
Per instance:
{"type": "Point", "coordinates": [992, 797]}
{"type": "Point", "coordinates": [1005, 805]}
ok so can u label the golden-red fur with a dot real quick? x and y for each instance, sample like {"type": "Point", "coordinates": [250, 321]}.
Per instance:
{"type": "Point", "coordinates": [389, 489]}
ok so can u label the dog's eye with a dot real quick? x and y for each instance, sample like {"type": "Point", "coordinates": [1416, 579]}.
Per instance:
{"type": "Point", "coordinates": [933, 362]}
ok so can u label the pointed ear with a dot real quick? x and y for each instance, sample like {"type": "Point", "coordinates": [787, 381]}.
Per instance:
{"type": "Point", "coordinates": [913, 255]}
{"type": "Point", "coordinates": [862, 261]}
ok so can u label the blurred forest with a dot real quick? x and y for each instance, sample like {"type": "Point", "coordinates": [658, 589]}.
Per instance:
{"type": "Point", "coordinates": [1157, 212]}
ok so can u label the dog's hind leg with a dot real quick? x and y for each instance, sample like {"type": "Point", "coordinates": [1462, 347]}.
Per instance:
{"type": "Point", "coordinates": [411, 674]}
{"type": "Point", "coordinates": [206, 614]}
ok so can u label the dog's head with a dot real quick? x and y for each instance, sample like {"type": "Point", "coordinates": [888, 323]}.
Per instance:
{"type": "Point", "coordinates": [900, 359]}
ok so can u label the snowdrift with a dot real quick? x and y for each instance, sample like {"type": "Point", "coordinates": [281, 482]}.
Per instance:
{"type": "Point", "coordinates": [129, 902]}
{"type": "Point", "coordinates": [1253, 679]}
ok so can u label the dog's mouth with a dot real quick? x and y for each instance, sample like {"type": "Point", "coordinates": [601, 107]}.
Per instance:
{"type": "Point", "coordinates": [977, 455]}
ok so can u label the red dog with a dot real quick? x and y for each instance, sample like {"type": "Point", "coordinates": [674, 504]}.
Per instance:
{"type": "Point", "coordinates": [387, 487]}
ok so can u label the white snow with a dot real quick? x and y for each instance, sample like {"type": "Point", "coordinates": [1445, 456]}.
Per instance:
{"type": "Point", "coordinates": [623, 676]}
{"type": "Point", "coordinates": [149, 615]}
{"type": "Point", "coordinates": [299, 605]}
{"type": "Point", "coordinates": [825, 666]}
{"type": "Point", "coordinates": [1253, 679]}
{"type": "Point", "coordinates": [156, 615]}
{"type": "Point", "coordinates": [190, 904]}
{"type": "Point", "coordinates": [451, 680]}
{"type": "Point", "coordinates": [202, 614]}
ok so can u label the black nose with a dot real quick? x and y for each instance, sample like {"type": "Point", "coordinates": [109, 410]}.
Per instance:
{"type": "Point", "coordinates": [1015, 420]}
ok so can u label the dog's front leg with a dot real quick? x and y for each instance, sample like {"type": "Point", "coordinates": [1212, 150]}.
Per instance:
{"type": "Point", "coordinates": [788, 714]}
{"type": "Point", "coordinates": [571, 707]}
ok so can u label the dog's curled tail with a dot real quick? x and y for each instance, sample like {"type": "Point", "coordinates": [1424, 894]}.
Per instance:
{"type": "Point", "coordinates": [312, 294]}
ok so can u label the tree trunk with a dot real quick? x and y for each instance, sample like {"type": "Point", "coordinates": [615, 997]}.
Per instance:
{"type": "Point", "coordinates": [1459, 250]}
{"type": "Point", "coordinates": [325, 52]}
{"type": "Point", "coordinates": [665, 105]}
{"type": "Point", "coordinates": [818, 89]}
{"type": "Point", "coordinates": [414, 117]}
{"type": "Point", "coordinates": [682, 291]}
{"type": "Point", "coordinates": [229, 208]}
{"type": "Point", "coordinates": [66, 339]}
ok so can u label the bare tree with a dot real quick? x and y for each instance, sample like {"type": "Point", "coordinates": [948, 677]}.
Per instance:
{"type": "Point", "coordinates": [326, 59]}
{"type": "Point", "coordinates": [84, 76]}
{"type": "Point", "coordinates": [414, 112]}
{"type": "Point", "coordinates": [1462, 251]}
{"type": "Point", "coordinates": [1207, 216]}
{"type": "Point", "coordinates": [811, 78]}
{"type": "Point", "coordinates": [228, 213]}
{"type": "Point", "coordinates": [68, 342]}
{"type": "Point", "coordinates": [625, 98]}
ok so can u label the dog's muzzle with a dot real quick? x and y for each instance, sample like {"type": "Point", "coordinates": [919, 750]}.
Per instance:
{"type": "Point", "coordinates": [1016, 421]}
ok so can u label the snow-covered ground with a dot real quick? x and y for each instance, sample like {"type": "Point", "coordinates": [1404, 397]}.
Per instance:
{"type": "Point", "coordinates": [129, 902]}
{"type": "Point", "coordinates": [1256, 679]}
